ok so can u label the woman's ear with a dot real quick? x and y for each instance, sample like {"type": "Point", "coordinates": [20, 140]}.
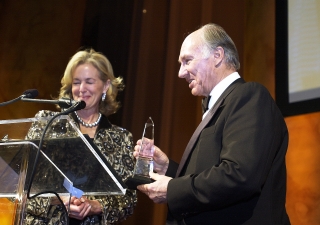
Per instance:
{"type": "Point", "coordinates": [106, 86]}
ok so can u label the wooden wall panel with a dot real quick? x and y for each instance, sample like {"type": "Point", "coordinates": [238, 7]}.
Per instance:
{"type": "Point", "coordinates": [303, 156]}
{"type": "Point", "coordinates": [259, 43]}
{"type": "Point", "coordinates": [37, 38]}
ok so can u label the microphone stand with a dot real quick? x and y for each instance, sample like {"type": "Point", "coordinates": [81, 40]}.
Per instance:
{"type": "Point", "coordinates": [31, 93]}
{"type": "Point", "coordinates": [63, 102]}
{"type": "Point", "coordinates": [75, 107]}
{"type": "Point", "coordinates": [11, 101]}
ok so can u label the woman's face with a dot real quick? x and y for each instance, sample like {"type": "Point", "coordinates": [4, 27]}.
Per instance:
{"type": "Point", "coordinates": [87, 86]}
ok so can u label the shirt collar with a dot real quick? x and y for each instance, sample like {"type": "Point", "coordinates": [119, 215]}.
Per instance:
{"type": "Point", "coordinates": [220, 88]}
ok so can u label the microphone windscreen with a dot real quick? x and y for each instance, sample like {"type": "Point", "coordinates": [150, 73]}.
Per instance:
{"type": "Point", "coordinates": [31, 93]}
{"type": "Point", "coordinates": [81, 105]}
{"type": "Point", "coordinates": [77, 106]}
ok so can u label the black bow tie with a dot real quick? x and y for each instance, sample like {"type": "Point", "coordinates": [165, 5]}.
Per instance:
{"type": "Point", "coordinates": [205, 104]}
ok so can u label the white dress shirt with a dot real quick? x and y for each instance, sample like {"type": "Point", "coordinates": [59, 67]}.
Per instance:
{"type": "Point", "coordinates": [219, 89]}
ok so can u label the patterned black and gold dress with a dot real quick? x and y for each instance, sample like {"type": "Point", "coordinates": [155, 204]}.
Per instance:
{"type": "Point", "coordinates": [116, 145]}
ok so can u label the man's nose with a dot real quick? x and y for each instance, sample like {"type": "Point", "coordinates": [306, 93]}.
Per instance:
{"type": "Point", "coordinates": [182, 72]}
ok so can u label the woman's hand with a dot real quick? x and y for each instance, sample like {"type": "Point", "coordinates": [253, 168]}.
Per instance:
{"type": "Point", "coordinates": [82, 207]}
{"type": "Point", "coordinates": [160, 159]}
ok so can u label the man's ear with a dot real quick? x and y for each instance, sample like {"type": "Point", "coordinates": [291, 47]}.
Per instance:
{"type": "Point", "coordinates": [218, 54]}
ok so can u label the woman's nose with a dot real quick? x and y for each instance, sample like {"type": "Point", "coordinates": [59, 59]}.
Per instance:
{"type": "Point", "coordinates": [82, 87]}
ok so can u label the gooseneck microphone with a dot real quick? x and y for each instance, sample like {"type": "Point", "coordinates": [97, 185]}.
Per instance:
{"type": "Point", "coordinates": [31, 93]}
{"type": "Point", "coordinates": [77, 105]}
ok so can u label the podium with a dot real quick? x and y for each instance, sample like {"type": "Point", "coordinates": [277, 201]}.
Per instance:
{"type": "Point", "coordinates": [68, 164]}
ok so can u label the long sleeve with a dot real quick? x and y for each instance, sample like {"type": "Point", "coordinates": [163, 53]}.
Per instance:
{"type": "Point", "coordinates": [116, 208]}
{"type": "Point", "coordinates": [172, 169]}
{"type": "Point", "coordinates": [39, 210]}
{"type": "Point", "coordinates": [237, 161]}
{"type": "Point", "coordinates": [116, 146]}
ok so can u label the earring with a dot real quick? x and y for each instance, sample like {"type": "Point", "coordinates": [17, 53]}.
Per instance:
{"type": "Point", "coordinates": [103, 96]}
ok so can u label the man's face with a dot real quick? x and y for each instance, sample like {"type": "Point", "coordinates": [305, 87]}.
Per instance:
{"type": "Point", "coordinates": [198, 71]}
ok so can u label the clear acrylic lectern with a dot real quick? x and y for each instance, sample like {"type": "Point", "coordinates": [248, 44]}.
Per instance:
{"type": "Point", "coordinates": [68, 164]}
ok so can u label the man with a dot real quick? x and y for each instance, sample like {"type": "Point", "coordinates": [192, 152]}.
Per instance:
{"type": "Point", "coordinates": [233, 168]}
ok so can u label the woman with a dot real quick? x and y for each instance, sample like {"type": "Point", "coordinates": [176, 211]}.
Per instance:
{"type": "Point", "coordinates": [89, 77]}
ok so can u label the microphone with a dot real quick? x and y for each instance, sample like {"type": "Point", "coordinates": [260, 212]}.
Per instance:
{"type": "Point", "coordinates": [77, 106]}
{"type": "Point", "coordinates": [62, 102]}
{"type": "Point", "coordinates": [31, 93]}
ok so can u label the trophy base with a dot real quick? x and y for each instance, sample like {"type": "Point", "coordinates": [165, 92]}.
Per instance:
{"type": "Point", "coordinates": [133, 182]}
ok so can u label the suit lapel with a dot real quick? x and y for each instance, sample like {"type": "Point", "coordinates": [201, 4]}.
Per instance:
{"type": "Point", "coordinates": [195, 136]}
{"type": "Point", "coordinates": [203, 123]}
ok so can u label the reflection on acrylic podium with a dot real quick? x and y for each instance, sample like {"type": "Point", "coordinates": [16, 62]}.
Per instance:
{"type": "Point", "coordinates": [68, 163]}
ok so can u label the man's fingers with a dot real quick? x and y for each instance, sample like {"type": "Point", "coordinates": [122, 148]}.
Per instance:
{"type": "Point", "coordinates": [154, 176]}
{"type": "Point", "coordinates": [143, 188]}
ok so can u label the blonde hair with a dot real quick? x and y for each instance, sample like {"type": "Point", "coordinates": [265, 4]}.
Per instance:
{"type": "Point", "coordinates": [102, 64]}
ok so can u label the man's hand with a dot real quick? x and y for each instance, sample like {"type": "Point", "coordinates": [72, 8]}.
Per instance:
{"type": "Point", "coordinates": [160, 159]}
{"type": "Point", "coordinates": [156, 191]}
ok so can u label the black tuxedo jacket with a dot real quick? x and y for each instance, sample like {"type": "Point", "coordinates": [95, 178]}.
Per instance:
{"type": "Point", "coordinates": [233, 169]}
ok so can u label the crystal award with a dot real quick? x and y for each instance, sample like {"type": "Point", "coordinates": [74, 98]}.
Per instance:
{"type": "Point", "coordinates": [144, 162]}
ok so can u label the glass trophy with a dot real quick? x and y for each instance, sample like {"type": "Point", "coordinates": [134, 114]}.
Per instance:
{"type": "Point", "coordinates": [144, 163]}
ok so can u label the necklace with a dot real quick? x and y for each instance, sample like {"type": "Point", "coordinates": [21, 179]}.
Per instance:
{"type": "Point", "coordinates": [88, 124]}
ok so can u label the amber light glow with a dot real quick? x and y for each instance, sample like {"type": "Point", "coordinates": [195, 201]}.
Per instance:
{"type": "Point", "coordinates": [7, 211]}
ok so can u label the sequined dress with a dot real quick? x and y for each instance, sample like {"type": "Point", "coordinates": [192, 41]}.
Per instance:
{"type": "Point", "coordinates": [116, 145]}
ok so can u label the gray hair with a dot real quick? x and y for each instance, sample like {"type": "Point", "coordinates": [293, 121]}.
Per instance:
{"type": "Point", "coordinates": [214, 36]}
